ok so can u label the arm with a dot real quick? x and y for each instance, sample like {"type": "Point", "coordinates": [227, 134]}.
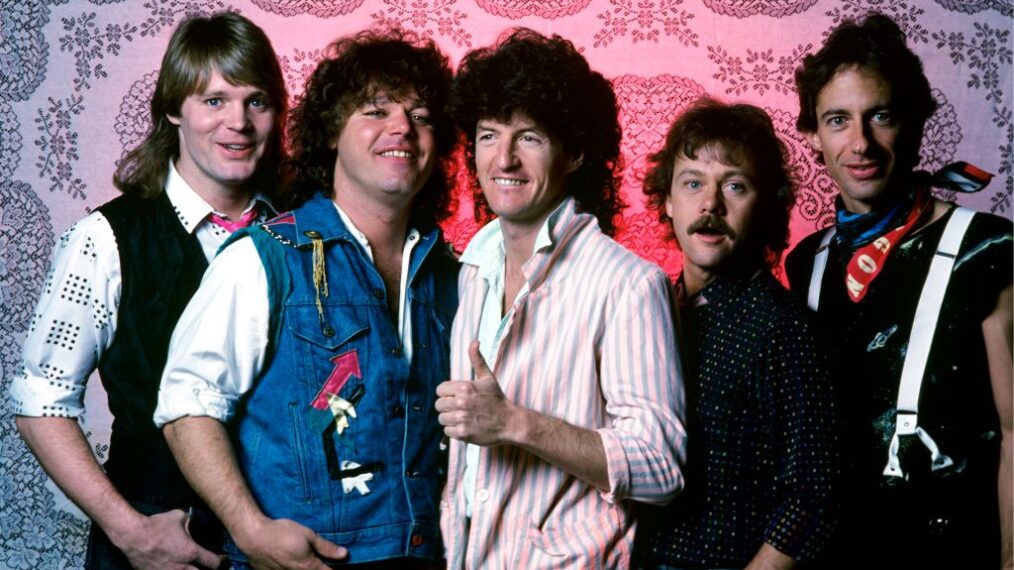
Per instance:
{"type": "Point", "coordinates": [216, 353]}
{"type": "Point", "coordinates": [637, 455]}
{"type": "Point", "coordinates": [802, 401]}
{"type": "Point", "coordinates": [478, 412]}
{"type": "Point", "coordinates": [996, 330]}
{"type": "Point", "coordinates": [206, 457]}
{"type": "Point", "coordinates": [53, 383]}
{"type": "Point", "coordinates": [156, 542]}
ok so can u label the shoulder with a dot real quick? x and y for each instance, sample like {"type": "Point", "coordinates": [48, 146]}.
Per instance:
{"type": "Point", "coordinates": [799, 261]}
{"type": "Point", "coordinates": [92, 236]}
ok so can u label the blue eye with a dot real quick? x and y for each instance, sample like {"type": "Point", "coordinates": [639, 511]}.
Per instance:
{"type": "Point", "coordinates": [213, 101]}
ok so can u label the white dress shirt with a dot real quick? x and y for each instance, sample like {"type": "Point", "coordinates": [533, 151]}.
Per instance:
{"type": "Point", "coordinates": [75, 320]}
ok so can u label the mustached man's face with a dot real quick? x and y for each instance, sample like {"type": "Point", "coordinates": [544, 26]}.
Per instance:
{"type": "Point", "coordinates": [712, 205]}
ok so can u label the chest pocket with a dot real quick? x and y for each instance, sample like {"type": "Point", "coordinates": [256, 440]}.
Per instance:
{"type": "Point", "coordinates": [315, 344]}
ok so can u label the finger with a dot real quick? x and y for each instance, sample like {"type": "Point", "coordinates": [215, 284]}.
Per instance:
{"type": "Point", "coordinates": [327, 549]}
{"type": "Point", "coordinates": [478, 362]}
{"type": "Point", "coordinates": [444, 404]}
{"type": "Point", "coordinates": [206, 558]}
{"type": "Point", "coordinates": [445, 388]}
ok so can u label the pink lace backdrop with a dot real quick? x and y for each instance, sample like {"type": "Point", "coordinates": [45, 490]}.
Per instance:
{"type": "Point", "coordinates": [75, 77]}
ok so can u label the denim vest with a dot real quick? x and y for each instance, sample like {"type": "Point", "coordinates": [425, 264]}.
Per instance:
{"type": "Point", "coordinates": [294, 470]}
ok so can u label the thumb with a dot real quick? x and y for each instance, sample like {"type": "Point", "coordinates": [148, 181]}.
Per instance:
{"type": "Point", "coordinates": [478, 362]}
{"type": "Point", "coordinates": [327, 549]}
{"type": "Point", "coordinates": [207, 559]}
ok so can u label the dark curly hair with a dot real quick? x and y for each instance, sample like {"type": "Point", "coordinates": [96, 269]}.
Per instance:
{"type": "Point", "coordinates": [239, 50]}
{"type": "Point", "coordinates": [742, 134]}
{"type": "Point", "coordinates": [876, 44]}
{"type": "Point", "coordinates": [354, 70]}
{"type": "Point", "coordinates": [547, 80]}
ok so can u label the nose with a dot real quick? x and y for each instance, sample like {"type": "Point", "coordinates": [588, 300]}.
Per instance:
{"type": "Point", "coordinates": [506, 157]}
{"type": "Point", "coordinates": [860, 142]}
{"type": "Point", "coordinates": [712, 200]}
{"type": "Point", "coordinates": [238, 117]}
{"type": "Point", "coordinates": [400, 123]}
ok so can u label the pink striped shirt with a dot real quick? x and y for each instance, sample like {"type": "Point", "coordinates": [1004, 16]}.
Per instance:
{"type": "Point", "coordinates": [591, 343]}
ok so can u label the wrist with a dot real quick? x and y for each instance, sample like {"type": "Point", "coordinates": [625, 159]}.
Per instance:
{"type": "Point", "coordinates": [245, 533]}
{"type": "Point", "coordinates": [519, 426]}
{"type": "Point", "coordinates": [126, 529]}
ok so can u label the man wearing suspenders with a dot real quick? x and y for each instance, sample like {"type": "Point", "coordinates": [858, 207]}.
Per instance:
{"type": "Point", "coordinates": [915, 294]}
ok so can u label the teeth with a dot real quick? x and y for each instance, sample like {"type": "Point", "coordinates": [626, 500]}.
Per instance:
{"type": "Point", "coordinates": [397, 153]}
{"type": "Point", "coordinates": [508, 181]}
{"type": "Point", "coordinates": [236, 146]}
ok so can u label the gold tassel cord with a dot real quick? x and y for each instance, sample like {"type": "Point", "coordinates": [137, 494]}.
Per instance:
{"type": "Point", "coordinates": [319, 273]}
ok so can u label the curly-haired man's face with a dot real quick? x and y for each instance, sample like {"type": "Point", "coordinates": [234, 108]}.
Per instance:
{"type": "Point", "coordinates": [386, 151]}
{"type": "Point", "coordinates": [522, 170]}
{"type": "Point", "coordinates": [857, 134]}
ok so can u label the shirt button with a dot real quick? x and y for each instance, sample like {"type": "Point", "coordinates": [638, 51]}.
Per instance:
{"type": "Point", "coordinates": [398, 411]}
{"type": "Point", "coordinates": [417, 539]}
{"type": "Point", "coordinates": [482, 495]}
{"type": "Point", "coordinates": [412, 474]}
{"type": "Point", "coordinates": [378, 293]}
{"type": "Point", "coordinates": [396, 351]}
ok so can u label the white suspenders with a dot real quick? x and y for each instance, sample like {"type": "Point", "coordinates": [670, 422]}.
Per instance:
{"type": "Point", "coordinates": [924, 326]}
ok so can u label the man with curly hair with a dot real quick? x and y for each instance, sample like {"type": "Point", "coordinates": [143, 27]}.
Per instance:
{"type": "Point", "coordinates": [299, 393]}
{"type": "Point", "coordinates": [123, 275]}
{"type": "Point", "coordinates": [916, 295]}
{"type": "Point", "coordinates": [578, 411]}
{"type": "Point", "coordinates": [762, 459]}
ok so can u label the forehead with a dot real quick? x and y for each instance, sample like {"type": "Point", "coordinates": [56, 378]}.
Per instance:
{"type": "Point", "coordinates": [379, 95]}
{"type": "Point", "coordinates": [717, 157]}
{"type": "Point", "coordinates": [854, 86]}
{"type": "Point", "coordinates": [212, 80]}
{"type": "Point", "coordinates": [518, 121]}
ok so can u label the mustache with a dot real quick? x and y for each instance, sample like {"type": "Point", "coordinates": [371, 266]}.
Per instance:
{"type": "Point", "coordinates": [711, 222]}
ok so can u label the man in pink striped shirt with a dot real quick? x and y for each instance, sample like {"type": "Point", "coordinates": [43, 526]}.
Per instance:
{"type": "Point", "coordinates": [567, 398]}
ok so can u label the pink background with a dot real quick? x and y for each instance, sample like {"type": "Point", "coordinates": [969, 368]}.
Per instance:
{"type": "Point", "coordinates": [75, 77]}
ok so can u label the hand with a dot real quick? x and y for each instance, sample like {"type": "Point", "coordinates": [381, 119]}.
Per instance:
{"type": "Point", "coordinates": [477, 411]}
{"type": "Point", "coordinates": [161, 541]}
{"type": "Point", "coordinates": [283, 544]}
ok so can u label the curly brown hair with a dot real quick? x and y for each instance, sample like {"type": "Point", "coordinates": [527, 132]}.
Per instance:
{"type": "Point", "coordinates": [353, 71]}
{"type": "Point", "coordinates": [744, 134]}
{"type": "Point", "coordinates": [550, 82]}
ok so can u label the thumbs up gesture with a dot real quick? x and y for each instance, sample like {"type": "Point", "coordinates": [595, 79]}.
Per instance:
{"type": "Point", "coordinates": [475, 411]}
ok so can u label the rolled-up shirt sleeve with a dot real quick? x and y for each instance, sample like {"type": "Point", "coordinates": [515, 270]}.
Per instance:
{"type": "Point", "coordinates": [219, 344]}
{"type": "Point", "coordinates": [642, 381]}
{"type": "Point", "coordinates": [74, 322]}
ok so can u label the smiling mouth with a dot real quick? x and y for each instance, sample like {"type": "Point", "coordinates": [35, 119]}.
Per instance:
{"type": "Point", "coordinates": [508, 181]}
{"type": "Point", "coordinates": [238, 147]}
{"type": "Point", "coordinates": [397, 154]}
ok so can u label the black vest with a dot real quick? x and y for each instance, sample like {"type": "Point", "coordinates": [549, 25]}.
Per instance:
{"type": "Point", "coordinates": [161, 265]}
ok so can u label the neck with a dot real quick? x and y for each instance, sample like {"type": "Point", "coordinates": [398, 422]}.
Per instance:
{"type": "Point", "coordinates": [695, 279]}
{"type": "Point", "coordinates": [519, 243]}
{"type": "Point", "coordinates": [385, 226]}
{"type": "Point", "coordinates": [228, 200]}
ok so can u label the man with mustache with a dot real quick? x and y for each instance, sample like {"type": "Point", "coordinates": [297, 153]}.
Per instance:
{"type": "Point", "coordinates": [916, 295]}
{"type": "Point", "coordinates": [123, 275]}
{"type": "Point", "coordinates": [762, 461]}
{"type": "Point", "coordinates": [318, 339]}
{"type": "Point", "coordinates": [566, 403]}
